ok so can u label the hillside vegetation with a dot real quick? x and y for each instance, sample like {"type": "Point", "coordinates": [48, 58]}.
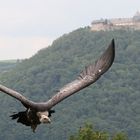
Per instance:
{"type": "Point", "coordinates": [112, 104]}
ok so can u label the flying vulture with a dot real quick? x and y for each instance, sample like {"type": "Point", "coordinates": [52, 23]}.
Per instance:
{"type": "Point", "coordinates": [40, 112]}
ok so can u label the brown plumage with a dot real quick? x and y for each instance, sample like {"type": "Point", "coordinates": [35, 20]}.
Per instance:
{"type": "Point", "coordinates": [37, 113]}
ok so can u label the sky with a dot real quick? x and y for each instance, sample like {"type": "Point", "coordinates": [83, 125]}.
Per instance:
{"type": "Point", "coordinates": [26, 26]}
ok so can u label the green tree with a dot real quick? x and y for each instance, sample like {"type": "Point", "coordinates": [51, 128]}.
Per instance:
{"type": "Point", "coordinates": [88, 133]}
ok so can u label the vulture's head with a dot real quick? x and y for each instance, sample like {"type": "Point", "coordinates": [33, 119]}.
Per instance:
{"type": "Point", "coordinates": [44, 117]}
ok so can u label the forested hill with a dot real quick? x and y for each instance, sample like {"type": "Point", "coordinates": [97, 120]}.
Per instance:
{"type": "Point", "coordinates": [112, 104]}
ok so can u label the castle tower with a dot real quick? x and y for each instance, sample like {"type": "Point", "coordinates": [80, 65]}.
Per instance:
{"type": "Point", "coordinates": [136, 17]}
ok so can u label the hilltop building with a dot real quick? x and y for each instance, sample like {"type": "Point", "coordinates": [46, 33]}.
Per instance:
{"type": "Point", "coordinates": [117, 23]}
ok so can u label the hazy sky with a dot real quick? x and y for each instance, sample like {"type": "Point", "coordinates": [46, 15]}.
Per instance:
{"type": "Point", "coordinates": [29, 25]}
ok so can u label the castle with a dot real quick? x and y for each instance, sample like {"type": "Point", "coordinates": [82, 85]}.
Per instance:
{"type": "Point", "coordinates": [117, 23]}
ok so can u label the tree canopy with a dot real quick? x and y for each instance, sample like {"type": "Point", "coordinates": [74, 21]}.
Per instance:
{"type": "Point", "coordinates": [89, 133]}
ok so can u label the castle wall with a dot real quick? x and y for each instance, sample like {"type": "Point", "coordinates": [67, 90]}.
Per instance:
{"type": "Point", "coordinates": [118, 23]}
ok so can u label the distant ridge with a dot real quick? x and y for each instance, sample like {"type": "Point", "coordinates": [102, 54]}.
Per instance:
{"type": "Point", "coordinates": [10, 61]}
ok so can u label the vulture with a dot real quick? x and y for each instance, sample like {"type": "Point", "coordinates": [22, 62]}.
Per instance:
{"type": "Point", "coordinates": [40, 112]}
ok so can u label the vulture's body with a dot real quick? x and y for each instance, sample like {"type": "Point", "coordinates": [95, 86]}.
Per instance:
{"type": "Point", "coordinates": [37, 113]}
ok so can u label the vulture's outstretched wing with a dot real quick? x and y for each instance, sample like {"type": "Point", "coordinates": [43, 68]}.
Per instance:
{"type": "Point", "coordinates": [86, 77]}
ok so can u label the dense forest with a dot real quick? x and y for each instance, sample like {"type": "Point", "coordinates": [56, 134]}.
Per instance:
{"type": "Point", "coordinates": [112, 104]}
